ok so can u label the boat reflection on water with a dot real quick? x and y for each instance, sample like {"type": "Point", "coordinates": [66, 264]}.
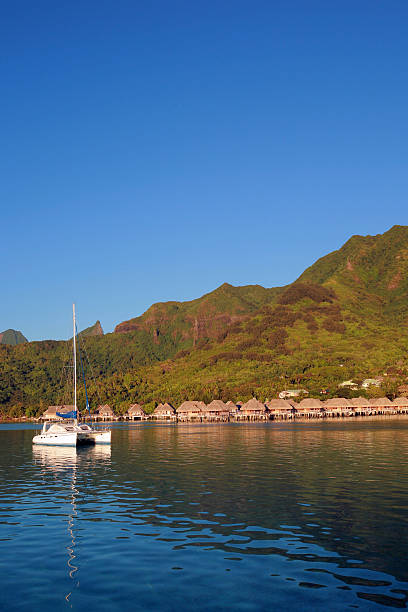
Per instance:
{"type": "Point", "coordinates": [63, 458]}
{"type": "Point", "coordinates": [66, 461]}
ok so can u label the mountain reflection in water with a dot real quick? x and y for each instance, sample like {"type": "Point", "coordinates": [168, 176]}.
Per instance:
{"type": "Point", "coordinates": [208, 517]}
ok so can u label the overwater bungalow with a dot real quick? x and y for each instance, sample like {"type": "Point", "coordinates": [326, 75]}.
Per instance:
{"type": "Point", "coordinates": [216, 411]}
{"type": "Point", "coordinates": [232, 408]}
{"type": "Point", "coordinates": [164, 412]}
{"type": "Point", "coordinates": [51, 413]}
{"type": "Point", "coordinates": [190, 411]}
{"type": "Point", "coordinates": [361, 406]}
{"type": "Point", "coordinates": [104, 413]}
{"type": "Point", "coordinates": [401, 405]}
{"type": "Point", "coordinates": [382, 405]}
{"type": "Point", "coordinates": [135, 412]}
{"type": "Point", "coordinates": [310, 408]}
{"type": "Point", "coordinates": [338, 407]}
{"type": "Point", "coordinates": [280, 409]}
{"type": "Point", "coordinates": [253, 410]}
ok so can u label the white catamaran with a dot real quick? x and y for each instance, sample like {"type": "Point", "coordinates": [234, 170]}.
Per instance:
{"type": "Point", "coordinates": [71, 433]}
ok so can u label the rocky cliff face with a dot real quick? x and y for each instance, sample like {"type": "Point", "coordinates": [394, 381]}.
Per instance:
{"type": "Point", "coordinates": [93, 330]}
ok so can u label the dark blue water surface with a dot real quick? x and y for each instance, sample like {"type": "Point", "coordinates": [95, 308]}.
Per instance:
{"type": "Point", "coordinates": [208, 517]}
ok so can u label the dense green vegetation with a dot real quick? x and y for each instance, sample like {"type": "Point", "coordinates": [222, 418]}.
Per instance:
{"type": "Point", "coordinates": [342, 319]}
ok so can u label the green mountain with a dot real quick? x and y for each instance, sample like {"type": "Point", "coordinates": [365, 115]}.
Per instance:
{"type": "Point", "coordinates": [368, 273]}
{"type": "Point", "coordinates": [343, 318]}
{"type": "Point", "coordinates": [13, 337]}
{"type": "Point", "coordinates": [206, 317]}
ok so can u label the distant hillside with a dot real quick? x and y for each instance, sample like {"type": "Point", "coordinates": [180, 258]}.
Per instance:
{"type": "Point", "coordinates": [343, 318]}
{"type": "Point", "coordinates": [13, 337]}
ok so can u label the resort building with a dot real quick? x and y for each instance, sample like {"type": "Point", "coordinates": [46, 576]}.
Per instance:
{"type": "Point", "coordinates": [104, 413]}
{"type": "Point", "coordinates": [232, 408]}
{"type": "Point", "coordinates": [280, 409]}
{"type": "Point", "coordinates": [216, 411]}
{"type": "Point", "coordinates": [164, 412]}
{"type": "Point", "coordinates": [135, 413]}
{"type": "Point", "coordinates": [292, 393]}
{"type": "Point", "coordinates": [310, 408]}
{"type": "Point", "coordinates": [338, 407]}
{"type": "Point", "coordinates": [361, 406]}
{"type": "Point", "coordinates": [190, 411]}
{"type": "Point", "coordinates": [382, 405]}
{"type": "Point", "coordinates": [401, 405]}
{"type": "Point", "coordinates": [253, 410]}
{"type": "Point", "coordinates": [371, 382]}
{"type": "Point", "coordinates": [348, 384]}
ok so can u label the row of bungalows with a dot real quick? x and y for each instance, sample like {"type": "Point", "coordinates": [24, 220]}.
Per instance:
{"type": "Point", "coordinates": [197, 411]}
{"type": "Point", "coordinates": [253, 410]}
{"type": "Point", "coordinates": [342, 407]}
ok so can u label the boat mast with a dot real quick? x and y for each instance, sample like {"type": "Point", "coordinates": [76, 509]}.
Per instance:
{"type": "Point", "coordinates": [75, 373]}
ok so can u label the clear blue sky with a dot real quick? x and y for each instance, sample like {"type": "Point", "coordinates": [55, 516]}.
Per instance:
{"type": "Point", "coordinates": [151, 151]}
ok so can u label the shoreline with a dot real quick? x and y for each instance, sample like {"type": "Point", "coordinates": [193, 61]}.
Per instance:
{"type": "Point", "coordinates": [296, 419]}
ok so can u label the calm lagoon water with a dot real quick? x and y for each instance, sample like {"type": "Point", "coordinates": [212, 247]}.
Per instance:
{"type": "Point", "coordinates": [208, 517]}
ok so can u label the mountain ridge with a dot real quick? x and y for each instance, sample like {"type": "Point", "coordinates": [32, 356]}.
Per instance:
{"type": "Point", "coordinates": [339, 320]}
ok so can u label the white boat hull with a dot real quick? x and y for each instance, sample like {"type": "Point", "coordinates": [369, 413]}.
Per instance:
{"type": "Point", "coordinates": [94, 437]}
{"type": "Point", "coordinates": [69, 439]}
{"type": "Point", "coordinates": [71, 434]}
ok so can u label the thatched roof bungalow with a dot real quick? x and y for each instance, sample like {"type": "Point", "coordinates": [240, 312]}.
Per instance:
{"type": "Point", "coordinates": [216, 411]}
{"type": "Point", "coordinates": [338, 406]}
{"type": "Point", "coordinates": [135, 412]}
{"type": "Point", "coordinates": [232, 408]}
{"type": "Point", "coordinates": [253, 410]}
{"type": "Point", "coordinates": [104, 413]}
{"type": "Point", "coordinates": [190, 411]}
{"type": "Point", "coordinates": [381, 405]}
{"type": "Point", "coordinates": [361, 405]}
{"type": "Point", "coordinates": [401, 404]}
{"type": "Point", "coordinates": [51, 413]}
{"type": "Point", "coordinates": [310, 407]}
{"type": "Point", "coordinates": [165, 412]}
{"type": "Point", "coordinates": [280, 408]}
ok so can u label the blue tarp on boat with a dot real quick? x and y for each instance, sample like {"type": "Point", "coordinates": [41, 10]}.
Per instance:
{"type": "Point", "coordinates": [68, 415]}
